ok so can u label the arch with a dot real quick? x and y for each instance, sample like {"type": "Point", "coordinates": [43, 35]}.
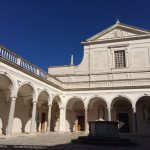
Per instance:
{"type": "Point", "coordinates": [121, 111]}
{"type": "Point", "coordinates": [75, 114]}
{"type": "Point", "coordinates": [31, 86]}
{"type": "Point", "coordinates": [13, 86]}
{"type": "Point", "coordinates": [142, 106]}
{"type": "Point", "coordinates": [57, 99]}
{"type": "Point", "coordinates": [8, 89]}
{"type": "Point", "coordinates": [97, 108]}
{"type": "Point", "coordinates": [98, 98]}
{"type": "Point", "coordinates": [76, 99]}
{"type": "Point", "coordinates": [44, 91]}
{"type": "Point", "coordinates": [23, 107]}
{"type": "Point", "coordinates": [140, 96]}
{"type": "Point", "coordinates": [116, 98]}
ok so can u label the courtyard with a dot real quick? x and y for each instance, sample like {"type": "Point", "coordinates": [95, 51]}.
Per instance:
{"type": "Point", "coordinates": [57, 141]}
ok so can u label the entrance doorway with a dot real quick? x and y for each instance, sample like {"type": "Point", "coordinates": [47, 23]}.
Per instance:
{"type": "Point", "coordinates": [80, 125]}
{"type": "Point", "coordinates": [123, 122]}
{"type": "Point", "coordinates": [43, 120]}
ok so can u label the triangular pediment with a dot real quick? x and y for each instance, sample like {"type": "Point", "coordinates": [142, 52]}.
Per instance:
{"type": "Point", "coordinates": [118, 31]}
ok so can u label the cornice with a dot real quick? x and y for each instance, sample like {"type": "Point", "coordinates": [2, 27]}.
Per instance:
{"type": "Point", "coordinates": [139, 37]}
{"type": "Point", "coordinates": [30, 73]}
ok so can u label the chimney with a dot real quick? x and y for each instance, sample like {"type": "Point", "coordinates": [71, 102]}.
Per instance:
{"type": "Point", "coordinates": [71, 63]}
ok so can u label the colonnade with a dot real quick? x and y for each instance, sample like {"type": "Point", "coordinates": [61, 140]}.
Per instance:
{"type": "Point", "coordinates": [62, 116]}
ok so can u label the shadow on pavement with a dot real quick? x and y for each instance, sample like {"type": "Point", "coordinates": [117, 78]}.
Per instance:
{"type": "Point", "coordinates": [68, 146]}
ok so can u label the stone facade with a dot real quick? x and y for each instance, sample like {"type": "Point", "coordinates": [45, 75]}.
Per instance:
{"type": "Point", "coordinates": [111, 83]}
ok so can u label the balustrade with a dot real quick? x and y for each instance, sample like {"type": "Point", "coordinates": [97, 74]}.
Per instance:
{"type": "Point", "coordinates": [10, 56]}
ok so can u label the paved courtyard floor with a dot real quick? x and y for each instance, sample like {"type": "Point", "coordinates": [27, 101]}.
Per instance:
{"type": "Point", "coordinates": [61, 141]}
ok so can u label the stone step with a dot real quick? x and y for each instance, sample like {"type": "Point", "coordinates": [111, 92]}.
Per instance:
{"type": "Point", "coordinates": [90, 138]}
{"type": "Point", "coordinates": [104, 141]}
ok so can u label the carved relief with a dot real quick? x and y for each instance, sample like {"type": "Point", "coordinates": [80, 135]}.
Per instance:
{"type": "Point", "coordinates": [117, 33]}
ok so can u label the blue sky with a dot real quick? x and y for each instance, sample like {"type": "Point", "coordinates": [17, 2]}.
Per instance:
{"type": "Point", "coordinates": [47, 32]}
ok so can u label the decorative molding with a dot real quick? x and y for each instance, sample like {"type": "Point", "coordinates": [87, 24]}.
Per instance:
{"type": "Point", "coordinates": [108, 84]}
{"type": "Point", "coordinates": [117, 33]}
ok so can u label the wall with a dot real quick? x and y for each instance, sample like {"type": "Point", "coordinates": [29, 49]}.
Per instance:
{"type": "Point", "coordinates": [98, 61]}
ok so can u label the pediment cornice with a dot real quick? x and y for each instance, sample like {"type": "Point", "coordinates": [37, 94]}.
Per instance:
{"type": "Point", "coordinates": [118, 31]}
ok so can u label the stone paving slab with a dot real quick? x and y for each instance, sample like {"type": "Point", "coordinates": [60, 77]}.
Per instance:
{"type": "Point", "coordinates": [61, 141]}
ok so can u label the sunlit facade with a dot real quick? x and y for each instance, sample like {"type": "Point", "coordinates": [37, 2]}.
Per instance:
{"type": "Point", "coordinates": [111, 83]}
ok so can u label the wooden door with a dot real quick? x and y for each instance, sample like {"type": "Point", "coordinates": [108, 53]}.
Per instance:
{"type": "Point", "coordinates": [43, 119]}
{"type": "Point", "coordinates": [81, 126]}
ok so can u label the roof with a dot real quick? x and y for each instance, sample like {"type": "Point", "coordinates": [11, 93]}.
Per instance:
{"type": "Point", "coordinates": [118, 30]}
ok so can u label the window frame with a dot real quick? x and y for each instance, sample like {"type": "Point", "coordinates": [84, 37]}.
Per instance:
{"type": "Point", "coordinates": [114, 48]}
{"type": "Point", "coordinates": [122, 60]}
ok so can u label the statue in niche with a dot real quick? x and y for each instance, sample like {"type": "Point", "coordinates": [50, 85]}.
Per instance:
{"type": "Point", "coordinates": [101, 113]}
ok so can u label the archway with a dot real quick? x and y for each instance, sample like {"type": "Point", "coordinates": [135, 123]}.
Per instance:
{"type": "Point", "coordinates": [122, 112]}
{"type": "Point", "coordinates": [143, 115]}
{"type": "Point", "coordinates": [97, 109]}
{"type": "Point", "coordinates": [75, 116]}
{"type": "Point", "coordinates": [23, 109]}
{"type": "Point", "coordinates": [42, 111]}
{"type": "Point", "coordinates": [5, 92]}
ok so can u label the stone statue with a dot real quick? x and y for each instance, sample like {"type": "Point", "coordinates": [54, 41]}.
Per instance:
{"type": "Point", "coordinates": [101, 113]}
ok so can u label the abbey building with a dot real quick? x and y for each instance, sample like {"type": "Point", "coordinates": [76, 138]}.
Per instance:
{"type": "Point", "coordinates": [111, 83]}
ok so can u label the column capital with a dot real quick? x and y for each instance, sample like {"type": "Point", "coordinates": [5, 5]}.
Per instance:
{"type": "Point", "coordinates": [13, 98]}
{"type": "Point", "coordinates": [109, 108]}
{"type": "Point", "coordinates": [49, 105]}
{"type": "Point", "coordinates": [34, 102]}
{"type": "Point", "coordinates": [85, 108]}
{"type": "Point", "coordinates": [134, 109]}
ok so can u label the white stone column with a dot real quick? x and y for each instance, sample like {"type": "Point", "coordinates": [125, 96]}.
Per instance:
{"type": "Point", "coordinates": [49, 118]}
{"type": "Point", "coordinates": [86, 119]}
{"type": "Point", "coordinates": [62, 120]}
{"type": "Point", "coordinates": [33, 119]}
{"type": "Point", "coordinates": [134, 121]}
{"type": "Point", "coordinates": [11, 115]}
{"type": "Point", "coordinates": [109, 113]}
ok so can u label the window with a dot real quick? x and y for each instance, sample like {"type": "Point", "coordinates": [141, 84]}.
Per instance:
{"type": "Point", "coordinates": [120, 59]}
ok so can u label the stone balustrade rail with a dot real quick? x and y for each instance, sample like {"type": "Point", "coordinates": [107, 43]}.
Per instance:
{"type": "Point", "coordinates": [24, 64]}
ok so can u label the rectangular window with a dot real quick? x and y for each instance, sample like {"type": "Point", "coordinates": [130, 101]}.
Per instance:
{"type": "Point", "coordinates": [120, 61]}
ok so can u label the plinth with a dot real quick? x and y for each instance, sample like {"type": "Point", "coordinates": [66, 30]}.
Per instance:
{"type": "Point", "coordinates": [104, 133]}
{"type": "Point", "coordinates": [105, 129]}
